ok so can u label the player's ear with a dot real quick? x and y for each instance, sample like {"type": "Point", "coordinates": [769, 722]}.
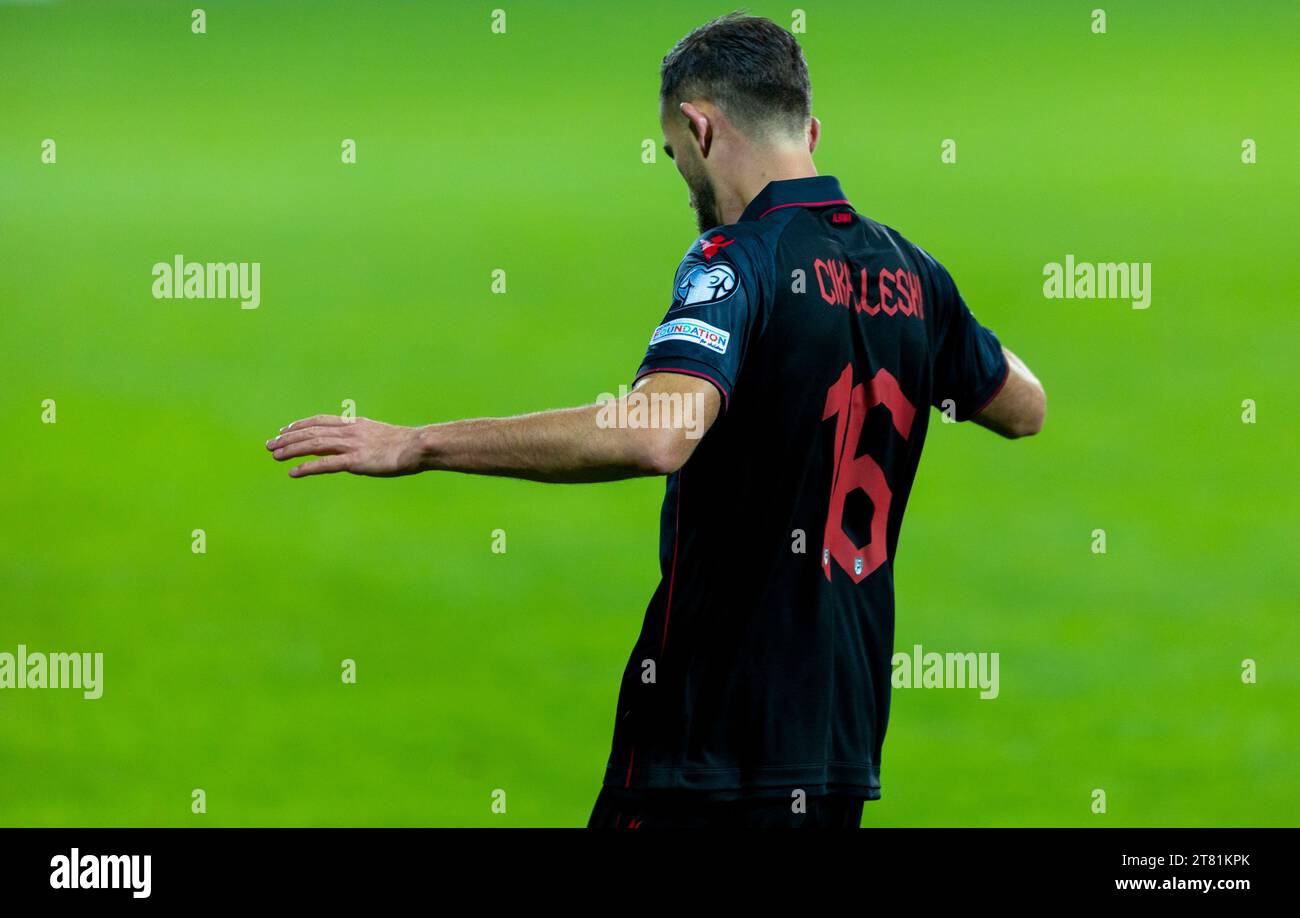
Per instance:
{"type": "Point", "coordinates": [814, 134]}
{"type": "Point", "coordinates": [701, 130]}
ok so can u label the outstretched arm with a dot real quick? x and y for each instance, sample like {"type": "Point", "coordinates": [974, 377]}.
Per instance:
{"type": "Point", "coordinates": [565, 445]}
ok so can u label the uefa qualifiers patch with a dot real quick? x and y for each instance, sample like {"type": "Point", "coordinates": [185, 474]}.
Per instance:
{"type": "Point", "coordinates": [706, 284]}
{"type": "Point", "coordinates": [701, 333]}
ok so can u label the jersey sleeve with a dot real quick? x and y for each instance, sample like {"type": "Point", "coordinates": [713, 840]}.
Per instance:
{"type": "Point", "coordinates": [969, 366]}
{"type": "Point", "coordinates": [716, 305]}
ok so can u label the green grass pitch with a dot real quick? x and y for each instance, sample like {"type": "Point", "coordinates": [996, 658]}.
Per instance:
{"type": "Point", "coordinates": [477, 151]}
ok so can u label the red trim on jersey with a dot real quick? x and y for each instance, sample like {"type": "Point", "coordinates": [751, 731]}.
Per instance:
{"type": "Point", "coordinates": [696, 373]}
{"type": "Point", "coordinates": [627, 782]}
{"type": "Point", "coordinates": [990, 399]}
{"type": "Point", "coordinates": [800, 204]}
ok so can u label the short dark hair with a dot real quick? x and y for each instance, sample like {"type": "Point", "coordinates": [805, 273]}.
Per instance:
{"type": "Point", "coordinates": [749, 66]}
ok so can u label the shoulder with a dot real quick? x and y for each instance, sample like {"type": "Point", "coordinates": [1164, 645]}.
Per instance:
{"type": "Point", "coordinates": [930, 267]}
{"type": "Point", "coordinates": [721, 262]}
{"type": "Point", "coordinates": [731, 242]}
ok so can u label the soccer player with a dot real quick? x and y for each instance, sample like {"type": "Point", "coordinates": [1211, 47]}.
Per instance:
{"type": "Point", "coordinates": [812, 340]}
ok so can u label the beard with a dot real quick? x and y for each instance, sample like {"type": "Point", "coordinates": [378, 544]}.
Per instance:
{"type": "Point", "coordinates": [705, 204]}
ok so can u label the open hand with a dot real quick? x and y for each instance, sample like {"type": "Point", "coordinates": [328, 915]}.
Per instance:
{"type": "Point", "coordinates": [356, 445]}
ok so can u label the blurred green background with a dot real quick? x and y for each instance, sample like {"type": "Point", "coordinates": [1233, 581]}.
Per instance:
{"type": "Point", "coordinates": [522, 151]}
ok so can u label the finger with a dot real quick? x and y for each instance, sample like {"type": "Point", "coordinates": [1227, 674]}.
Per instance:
{"type": "Point", "coordinates": [319, 420]}
{"type": "Point", "coordinates": [312, 446]}
{"type": "Point", "coordinates": [320, 466]}
{"type": "Point", "coordinates": [303, 433]}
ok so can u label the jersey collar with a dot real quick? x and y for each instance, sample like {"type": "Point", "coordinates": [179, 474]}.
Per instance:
{"type": "Point", "coordinates": [814, 191]}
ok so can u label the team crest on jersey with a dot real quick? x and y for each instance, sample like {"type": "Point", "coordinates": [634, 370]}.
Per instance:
{"type": "Point", "coordinates": [714, 244]}
{"type": "Point", "coordinates": [706, 284]}
{"type": "Point", "coordinates": [857, 567]}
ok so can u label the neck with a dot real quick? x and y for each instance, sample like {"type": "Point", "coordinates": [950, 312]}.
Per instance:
{"type": "Point", "coordinates": [753, 174]}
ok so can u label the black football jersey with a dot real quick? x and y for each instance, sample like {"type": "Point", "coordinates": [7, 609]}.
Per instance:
{"type": "Point", "coordinates": [763, 664]}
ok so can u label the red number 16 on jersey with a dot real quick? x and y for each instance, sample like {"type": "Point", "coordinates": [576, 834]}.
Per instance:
{"type": "Point", "coordinates": [849, 404]}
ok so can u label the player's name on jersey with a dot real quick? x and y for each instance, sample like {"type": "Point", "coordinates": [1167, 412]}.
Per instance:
{"type": "Point", "coordinates": [207, 280]}
{"type": "Point", "coordinates": [25, 670]}
{"type": "Point", "coordinates": [897, 292]}
{"type": "Point", "coordinates": [1086, 280]}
